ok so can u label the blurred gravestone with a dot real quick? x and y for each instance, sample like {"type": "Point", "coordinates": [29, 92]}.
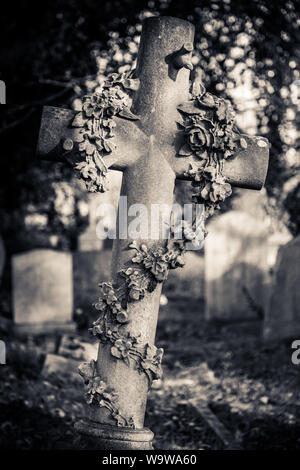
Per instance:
{"type": "Point", "coordinates": [77, 348]}
{"type": "Point", "coordinates": [282, 318]}
{"type": "Point", "coordinates": [89, 240]}
{"type": "Point", "coordinates": [236, 267]}
{"type": "Point", "coordinates": [89, 269]}
{"type": "Point", "coordinates": [92, 261]}
{"type": "Point", "coordinates": [187, 282]}
{"type": "Point", "coordinates": [42, 292]}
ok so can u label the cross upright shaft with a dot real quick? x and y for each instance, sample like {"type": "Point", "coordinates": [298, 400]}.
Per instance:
{"type": "Point", "coordinates": [147, 153]}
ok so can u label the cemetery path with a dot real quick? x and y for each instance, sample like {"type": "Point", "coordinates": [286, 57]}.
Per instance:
{"type": "Point", "coordinates": [253, 390]}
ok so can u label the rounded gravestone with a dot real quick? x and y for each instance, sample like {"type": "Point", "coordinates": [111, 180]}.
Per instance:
{"type": "Point", "coordinates": [236, 267]}
{"type": "Point", "coordinates": [282, 318]}
{"type": "Point", "coordinates": [42, 291]}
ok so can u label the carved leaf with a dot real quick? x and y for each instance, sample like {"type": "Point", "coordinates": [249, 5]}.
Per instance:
{"type": "Point", "coordinates": [127, 114]}
{"type": "Point", "coordinates": [87, 370]}
{"type": "Point", "coordinates": [134, 245]}
{"type": "Point", "coordinates": [189, 108]}
{"type": "Point", "coordinates": [198, 88]}
{"type": "Point", "coordinates": [108, 146]}
{"type": "Point", "coordinates": [185, 150]}
{"type": "Point", "coordinates": [208, 100]}
{"type": "Point", "coordinates": [243, 143]}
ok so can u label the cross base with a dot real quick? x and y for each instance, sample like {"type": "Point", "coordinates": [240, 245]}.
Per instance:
{"type": "Point", "coordinates": [106, 437]}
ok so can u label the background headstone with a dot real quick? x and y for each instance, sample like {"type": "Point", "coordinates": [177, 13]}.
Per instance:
{"type": "Point", "coordinates": [282, 318]}
{"type": "Point", "coordinates": [42, 291]}
{"type": "Point", "coordinates": [236, 267]}
{"type": "Point", "coordinates": [188, 281]}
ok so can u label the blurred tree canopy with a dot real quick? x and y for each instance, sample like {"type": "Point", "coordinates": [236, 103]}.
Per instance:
{"type": "Point", "coordinates": [55, 51]}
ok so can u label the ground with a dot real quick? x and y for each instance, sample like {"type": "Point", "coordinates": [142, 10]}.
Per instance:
{"type": "Point", "coordinates": [252, 388]}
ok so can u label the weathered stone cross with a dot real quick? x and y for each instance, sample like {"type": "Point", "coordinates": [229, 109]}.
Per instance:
{"type": "Point", "coordinates": [148, 153]}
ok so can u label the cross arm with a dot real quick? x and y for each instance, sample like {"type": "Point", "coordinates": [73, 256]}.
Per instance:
{"type": "Point", "coordinates": [247, 168]}
{"type": "Point", "coordinates": [57, 139]}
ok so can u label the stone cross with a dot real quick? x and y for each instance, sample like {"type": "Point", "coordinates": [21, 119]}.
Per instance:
{"type": "Point", "coordinates": [148, 151]}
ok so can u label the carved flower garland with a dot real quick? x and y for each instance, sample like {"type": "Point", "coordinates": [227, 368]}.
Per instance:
{"type": "Point", "coordinates": [145, 357]}
{"type": "Point", "coordinates": [96, 123]}
{"type": "Point", "coordinates": [209, 136]}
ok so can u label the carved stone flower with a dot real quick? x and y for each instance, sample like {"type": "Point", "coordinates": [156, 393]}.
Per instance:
{"type": "Point", "coordinates": [141, 252]}
{"type": "Point", "coordinates": [100, 305]}
{"type": "Point", "coordinates": [219, 191]}
{"type": "Point", "coordinates": [151, 362]}
{"type": "Point", "coordinates": [125, 79]}
{"type": "Point", "coordinates": [210, 173]}
{"type": "Point", "coordinates": [121, 348]}
{"type": "Point", "coordinates": [200, 137]}
{"type": "Point", "coordinates": [97, 329]}
{"type": "Point", "coordinates": [121, 316]}
{"type": "Point", "coordinates": [109, 302]}
{"type": "Point", "coordinates": [156, 264]}
{"type": "Point", "coordinates": [108, 293]}
{"type": "Point", "coordinates": [174, 257]}
{"type": "Point", "coordinates": [93, 105]}
{"type": "Point", "coordinates": [87, 169]}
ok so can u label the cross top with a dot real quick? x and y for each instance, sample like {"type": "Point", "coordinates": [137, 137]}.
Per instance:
{"type": "Point", "coordinates": [163, 69]}
{"type": "Point", "coordinates": [148, 125]}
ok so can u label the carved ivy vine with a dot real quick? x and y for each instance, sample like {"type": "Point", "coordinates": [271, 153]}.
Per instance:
{"type": "Point", "coordinates": [149, 266]}
{"type": "Point", "coordinates": [95, 123]}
